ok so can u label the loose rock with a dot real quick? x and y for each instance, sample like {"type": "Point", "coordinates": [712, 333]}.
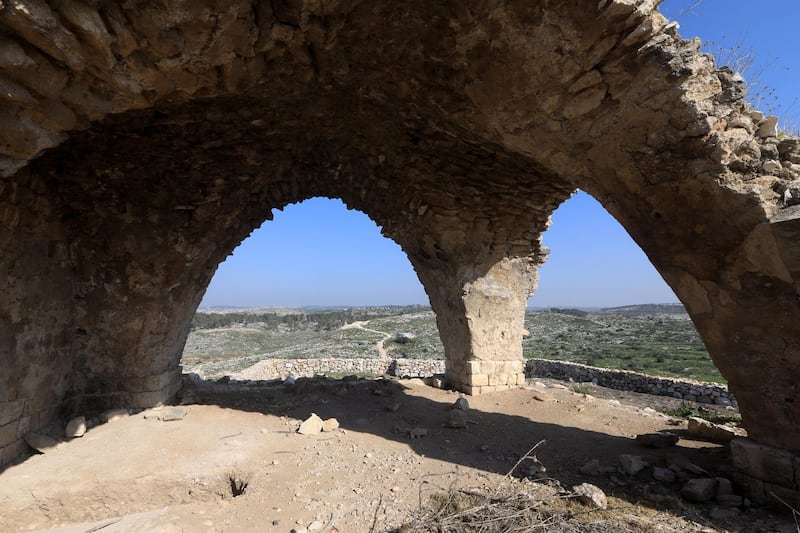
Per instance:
{"type": "Point", "coordinates": [173, 413]}
{"type": "Point", "coordinates": [456, 419]}
{"type": "Point", "coordinates": [705, 430]}
{"type": "Point", "coordinates": [330, 424]}
{"type": "Point", "coordinates": [416, 433]}
{"type": "Point", "coordinates": [699, 490]}
{"type": "Point", "coordinates": [113, 414]}
{"type": "Point", "coordinates": [311, 425]}
{"type": "Point", "coordinates": [730, 500]}
{"type": "Point", "coordinates": [657, 440]}
{"type": "Point", "coordinates": [461, 404]}
{"type": "Point", "coordinates": [632, 464]}
{"type": "Point", "coordinates": [75, 427]}
{"type": "Point", "coordinates": [664, 475]}
{"type": "Point", "coordinates": [658, 494]}
{"type": "Point", "coordinates": [591, 468]}
{"type": "Point", "coordinates": [41, 443]}
{"type": "Point", "coordinates": [590, 494]}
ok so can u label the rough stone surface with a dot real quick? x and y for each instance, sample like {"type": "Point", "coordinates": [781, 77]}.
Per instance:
{"type": "Point", "coordinates": [664, 475]}
{"type": "Point", "coordinates": [590, 495]}
{"type": "Point", "coordinates": [632, 464]}
{"type": "Point", "coordinates": [703, 429]}
{"type": "Point", "coordinates": [657, 440]}
{"type": "Point", "coordinates": [113, 414]}
{"type": "Point", "coordinates": [172, 414]}
{"type": "Point", "coordinates": [699, 489]}
{"type": "Point", "coordinates": [696, 391]}
{"type": "Point", "coordinates": [330, 424]}
{"type": "Point", "coordinates": [456, 418]}
{"type": "Point", "coordinates": [311, 426]}
{"type": "Point", "coordinates": [767, 475]}
{"type": "Point", "coordinates": [141, 143]}
{"type": "Point", "coordinates": [75, 427]}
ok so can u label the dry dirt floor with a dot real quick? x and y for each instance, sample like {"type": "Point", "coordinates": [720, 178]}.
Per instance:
{"type": "Point", "coordinates": [140, 473]}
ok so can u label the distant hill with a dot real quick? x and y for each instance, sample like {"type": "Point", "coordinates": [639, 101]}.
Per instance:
{"type": "Point", "coordinates": [643, 309]}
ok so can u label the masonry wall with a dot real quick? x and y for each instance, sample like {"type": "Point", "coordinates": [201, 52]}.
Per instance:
{"type": "Point", "coordinates": [692, 391]}
{"type": "Point", "coordinates": [36, 316]}
{"type": "Point", "coordinates": [282, 368]}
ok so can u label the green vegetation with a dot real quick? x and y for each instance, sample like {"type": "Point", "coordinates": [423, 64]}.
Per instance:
{"type": "Point", "coordinates": [663, 343]}
{"type": "Point", "coordinates": [654, 339]}
{"type": "Point", "coordinates": [582, 389]}
{"type": "Point", "coordinates": [321, 320]}
{"type": "Point", "coordinates": [685, 410]}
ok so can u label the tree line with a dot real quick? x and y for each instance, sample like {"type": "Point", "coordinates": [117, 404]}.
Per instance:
{"type": "Point", "coordinates": [326, 320]}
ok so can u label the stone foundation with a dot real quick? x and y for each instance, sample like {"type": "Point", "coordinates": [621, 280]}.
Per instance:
{"type": "Point", "coordinates": [489, 376]}
{"type": "Point", "coordinates": [767, 475]}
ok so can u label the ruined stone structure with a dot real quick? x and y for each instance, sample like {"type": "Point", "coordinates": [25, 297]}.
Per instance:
{"type": "Point", "coordinates": [140, 142]}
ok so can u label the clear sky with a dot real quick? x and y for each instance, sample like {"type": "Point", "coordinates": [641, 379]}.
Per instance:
{"type": "Point", "coordinates": [319, 253]}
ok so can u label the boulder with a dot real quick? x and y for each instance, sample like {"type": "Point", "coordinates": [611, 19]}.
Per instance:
{"type": "Point", "coordinates": [709, 431]}
{"type": "Point", "coordinates": [591, 495]}
{"type": "Point", "coordinates": [699, 490]}
{"type": "Point", "coordinates": [75, 427]}
{"type": "Point", "coordinates": [311, 425]}
{"type": "Point", "coordinates": [656, 493]}
{"type": "Point", "coordinates": [173, 413]}
{"type": "Point", "coordinates": [331, 424]}
{"type": "Point", "coordinates": [461, 404]}
{"type": "Point", "coordinates": [657, 440]}
{"type": "Point", "coordinates": [591, 468]}
{"type": "Point", "coordinates": [113, 415]}
{"type": "Point", "coordinates": [41, 443]}
{"type": "Point", "coordinates": [457, 419]}
{"type": "Point", "coordinates": [664, 475]}
{"type": "Point", "coordinates": [632, 464]}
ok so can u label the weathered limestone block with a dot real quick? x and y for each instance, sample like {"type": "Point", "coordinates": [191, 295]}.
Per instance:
{"type": "Point", "coordinates": [765, 463]}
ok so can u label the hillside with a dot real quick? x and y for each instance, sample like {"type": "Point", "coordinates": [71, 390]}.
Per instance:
{"type": "Point", "coordinates": [658, 339]}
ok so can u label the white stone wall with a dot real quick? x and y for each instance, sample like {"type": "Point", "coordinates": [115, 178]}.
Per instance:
{"type": "Point", "coordinates": [283, 368]}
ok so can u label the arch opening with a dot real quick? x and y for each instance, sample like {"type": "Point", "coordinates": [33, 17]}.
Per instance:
{"type": "Point", "coordinates": [601, 302]}
{"type": "Point", "coordinates": [315, 253]}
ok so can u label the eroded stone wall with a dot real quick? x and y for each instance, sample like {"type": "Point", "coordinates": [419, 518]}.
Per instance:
{"type": "Point", "coordinates": [142, 141]}
{"type": "Point", "coordinates": [690, 391]}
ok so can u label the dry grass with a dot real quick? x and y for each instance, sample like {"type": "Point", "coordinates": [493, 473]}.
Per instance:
{"type": "Point", "coordinates": [533, 507]}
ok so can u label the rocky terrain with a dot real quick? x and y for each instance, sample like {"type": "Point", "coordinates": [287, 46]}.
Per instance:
{"type": "Point", "coordinates": [403, 456]}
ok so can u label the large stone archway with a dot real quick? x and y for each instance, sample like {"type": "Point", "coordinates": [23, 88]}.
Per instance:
{"type": "Point", "coordinates": [140, 143]}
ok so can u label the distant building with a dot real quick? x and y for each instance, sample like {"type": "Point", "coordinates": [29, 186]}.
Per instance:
{"type": "Point", "coordinates": [404, 337]}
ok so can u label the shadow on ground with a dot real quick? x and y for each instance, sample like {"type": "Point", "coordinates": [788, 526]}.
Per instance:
{"type": "Point", "coordinates": [492, 441]}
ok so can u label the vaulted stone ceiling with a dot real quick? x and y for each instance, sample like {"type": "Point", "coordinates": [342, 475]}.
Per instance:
{"type": "Point", "coordinates": [141, 141]}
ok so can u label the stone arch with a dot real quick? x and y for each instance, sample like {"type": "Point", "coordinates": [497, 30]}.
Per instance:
{"type": "Point", "coordinates": [140, 142]}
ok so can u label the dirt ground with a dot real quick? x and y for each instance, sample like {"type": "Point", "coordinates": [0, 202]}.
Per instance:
{"type": "Point", "coordinates": [140, 473]}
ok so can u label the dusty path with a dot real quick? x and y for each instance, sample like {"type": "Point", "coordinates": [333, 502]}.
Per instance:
{"type": "Point", "coordinates": [143, 474]}
{"type": "Point", "coordinates": [379, 346]}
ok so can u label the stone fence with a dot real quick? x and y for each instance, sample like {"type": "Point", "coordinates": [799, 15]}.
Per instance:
{"type": "Point", "coordinates": [282, 368]}
{"type": "Point", "coordinates": [693, 391]}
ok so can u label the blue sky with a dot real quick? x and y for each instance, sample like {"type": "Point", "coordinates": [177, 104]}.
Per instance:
{"type": "Point", "coordinates": [344, 260]}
